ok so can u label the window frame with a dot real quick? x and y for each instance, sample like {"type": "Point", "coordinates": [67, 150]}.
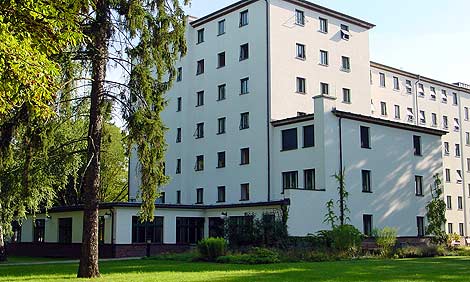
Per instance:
{"type": "Point", "coordinates": [286, 144]}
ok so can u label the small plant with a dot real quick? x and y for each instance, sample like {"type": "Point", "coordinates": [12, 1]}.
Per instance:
{"type": "Point", "coordinates": [436, 213]}
{"type": "Point", "coordinates": [212, 248]}
{"type": "Point", "coordinates": [255, 256]}
{"type": "Point", "coordinates": [452, 239]}
{"type": "Point", "coordinates": [386, 239]}
{"type": "Point", "coordinates": [346, 238]}
{"type": "Point", "coordinates": [420, 252]}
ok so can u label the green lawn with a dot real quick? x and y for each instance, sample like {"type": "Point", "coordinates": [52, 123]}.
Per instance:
{"type": "Point", "coordinates": [430, 269]}
{"type": "Point", "coordinates": [12, 259]}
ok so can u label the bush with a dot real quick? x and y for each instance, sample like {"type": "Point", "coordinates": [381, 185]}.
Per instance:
{"type": "Point", "coordinates": [386, 239]}
{"type": "Point", "coordinates": [256, 256]}
{"type": "Point", "coordinates": [346, 238]}
{"type": "Point", "coordinates": [420, 252]}
{"type": "Point", "coordinates": [452, 238]}
{"type": "Point", "coordinates": [212, 248]}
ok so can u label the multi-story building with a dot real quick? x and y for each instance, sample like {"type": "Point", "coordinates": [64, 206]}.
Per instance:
{"type": "Point", "coordinates": [275, 97]}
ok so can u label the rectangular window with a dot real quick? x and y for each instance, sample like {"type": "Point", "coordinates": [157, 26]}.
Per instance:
{"type": "Point", "coordinates": [457, 150]}
{"type": "Point", "coordinates": [178, 197]}
{"type": "Point", "coordinates": [178, 166]}
{"type": "Point", "coordinates": [178, 135]}
{"type": "Point", "coordinates": [179, 74]}
{"type": "Point", "coordinates": [468, 164]}
{"type": "Point", "coordinates": [221, 27]}
{"type": "Point", "coordinates": [455, 100]}
{"type": "Point", "coordinates": [434, 119]}
{"type": "Point", "coordinates": [289, 180]}
{"type": "Point", "coordinates": [456, 124]}
{"type": "Point", "coordinates": [444, 96]}
{"type": "Point", "coordinates": [445, 122]}
{"type": "Point", "coordinates": [199, 195]}
{"type": "Point", "coordinates": [345, 64]}
{"type": "Point", "coordinates": [397, 111]}
{"type": "Point", "coordinates": [200, 98]}
{"type": "Point", "coordinates": [189, 230]}
{"type": "Point", "coordinates": [461, 231]}
{"type": "Point", "coordinates": [65, 230]}
{"type": "Point", "coordinates": [150, 231]}
{"type": "Point", "coordinates": [221, 125]}
{"type": "Point", "coordinates": [449, 202]}
{"type": "Point", "coordinates": [365, 137]}
{"type": "Point", "coordinates": [417, 145]}
{"type": "Point", "coordinates": [383, 108]}
{"type": "Point", "coordinates": [245, 192]}
{"type": "Point", "coordinates": [323, 58]}
{"type": "Point", "coordinates": [419, 185]}
{"type": "Point", "coordinates": [323, 25]}
{"type": "Point", "coordinates": [309, 136]}
{"type": "Point", "coordinates": [346, 95]}
{"type": "Point", "coordinates": [200, 36]}
{"type": "Point", "coordinates": [200, 67]}
{"type": "Point", "coordinates": [410, 114]}
{"type": "Point", "coordinates": [447, 171]}
{"type": "Point", "coordinates": [301, 85]}
{"type": "Point", "coordinates": [409, 87]}
{"type": "Point", "coordinates": [199, 130]}
{"type": "Point", "coordinates": [220, 159]}
{"type": "Point", "coordinates": [289, 139]}
{"type": "Point", "coordinates": [446, 148]}
{"type": "Point", "coordinates": [243, 18]}
{"type": "Point", "coordinates": [309, 179]}
{"type": "Point", "coordinates": [324, 88]}
{"type": "Point", "coordinates": [344, 32]}
{"type": "Point", "coordinates": [39, 230]}
{"type": "Point", "coordinates": [450, 228]}
{"type": "Point", "coordinates": [420, 225]}
{"type": "Point", "coordinates": [300, 51]}
{"type": "Point", "coordinates": [199, 163]}
{"type": "Point", "coordinates": [420, 90]}
{"type": "Point", "coordinates": [221, 60]}
{"type": "Point", "coordinates": [465, 112]}
{"type": "Point", "coordinates": [367, 224]}
{"type": "Point", "coordinates": [244, 121]}
{"type": "Point", "coordinates": [179, 104]}
{"type": "Point", "coordinates": [382, 79]}
{"type": "Point", "coordinates": [244, 52]}
{"type": "Point", "coordinates": [433, 93]}
{"type": "Point", "coordinates": [299, 17]}
{"type": "Point", "coordinates": [220, 194]}
{"type": "Point", "coordinates": [396, 83]}
{"type": "Point", "coordinates": [221, 92]}
{"type": "Point", "coordinates": [244, 86]}
{"type": "Point", "coordinates": [422, 117]}
{"type": "Point", "coordinates": [460, 203]}
{"type": "Point", "coordinates": [366, 181]}
{"type": "Point", "coordinates": [459, 176]}
{"type": "Point", "coordinates": [244, 156]}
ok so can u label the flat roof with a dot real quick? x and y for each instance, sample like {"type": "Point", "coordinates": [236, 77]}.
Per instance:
{"type": "Point", "coordinates": [291, 120]}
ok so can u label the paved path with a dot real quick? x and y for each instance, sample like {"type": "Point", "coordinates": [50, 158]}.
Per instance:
{"type": "Point", "coordinates": [62, 261]}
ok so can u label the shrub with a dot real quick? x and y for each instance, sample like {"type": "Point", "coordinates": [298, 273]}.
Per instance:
{"type": "Point", "coordinates": [452, 238]}
{"type": "Point", "coordinates": [420, 252]}
{"type": "Point", "coordinates": [346, 238]}
{"type": "Point", "coordinates": [212, 248]}
{"type": "Point", "coordinates": [256, 256]}
{"type": "Point", "coordinates": [386, 239]}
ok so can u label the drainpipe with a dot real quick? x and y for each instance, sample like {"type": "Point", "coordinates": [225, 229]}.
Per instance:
{"type": "Point", "coordinates": [268, 97]}
{"type": "Point", "coordinates": [341, 167]}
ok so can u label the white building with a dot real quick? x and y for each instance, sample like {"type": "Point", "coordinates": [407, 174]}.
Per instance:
{"type": "Point", "coordinates": [276, 96]}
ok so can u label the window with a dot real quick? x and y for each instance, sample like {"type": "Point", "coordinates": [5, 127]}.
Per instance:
{"type": "Point", "coordinates": [244, 121]}
{"type": "Point", "coordinates": [189, 230]}
{"type": "Point", "coordinates": [221, 125]}
{"type": "Point", "coordinates": [323, 58]}
{"type": "Point", "coordinates": [221, 60]}
{"type": "Point", "coordinates": [365, 137]}
{"type": "Point", "coordinates": [433, 93]}
{"type": "Point", "coordinates": [455, 101]}
{"type": "Point", "coordinates": [468, 164]}
{"type": "Point", "coordinates": [465, 112]}
{"type": "Point", "coordinates": [457, 150]}
{"type": "Point", "coordinates": [422, 117]}
{"type": "Point", "coordinates": [245, 192]}
{"type": "Point", "coordinates": [16, 229]}
{"type": "Point", "coordinates": [417, 145]}
{"type": "Point", "coordinates": [467, 138]}
{"type": "Point", "coordinates": [447, 171]}
{"type": "Point", "coordinates": [178, 135]}
{"type": "Point", "coordinates": [289, 180]}
{"type": "Point", "coordinates": [65, 230]}
{"type": "Point", "coordinates": [179, 104]}
{"type": "Point", "coordinates": [461, 233]}
{"type": "Point", "coordinates": [244, 18]}
{"type": "Point", "coordinates": [200, 98]}
{"type": "Point", "coordinates": [161, 198]}
{"type": "Point", "coordinates": [409, 87]}
{"type": "Point", "coordinates": [420, 225]}
{"type": "Point", "coordinates": [289, 139]}
{"type": "Point", "coordinates": [366, 181]}
{"type": "Point", "coordinates": [301, 85]}
{"type": "Point", "coordinates": [344, 32]}
{"type": "Point", "coordinates": [200, 67]}
{"type": "Point", "coordinates": [419, 185]}
{"type": "Point", "coordinates": [367, 224]}
{"type": "Point", "coordinates": [309, 179]}
{"type": "Point", "coordinates": [450, 229]}
{"type": "Point", "coordinates": [410, 115]}
{"type": "Point", "coordinates": [220, 194]}
{"type": "Point", "coordinates": [449, 202]}
{"type": "Point", "coordinates": [220, 159]}
{"type": "Point", "coordinates": [420, 90]}
{"type": "Point", "coordinates": [309, 136]}
{"type": "Point", "coordinates": [456, 124]}
{"type": "Point", "coordinates": [179, 74]}
{"type": "Point", "coordinates": [459, 176]}
{"type": "Point", "coordinates": [345, 64]}
{"type": "Point", "coordinates": [200, 130]}
{"type": "Point", "coordinates": [221, 92]}
{"type": "Point", "coordinates": [199, 163]}
{"type": "Point", "coordinates": [434, 119]}
{"type": "Point", "coordinates": [178, 197]}
{"type": "Point", "coordinates": [221, 27]}
{"type": "Point", "coordinates": [346, 95]}
{"type": "Point", "coordinates": [244, 85]}
{"type": "Point", "coordinates": [323, 25]}
{"type": "Point", "coordinates": [446, 148]}
{"type": "Point", "coordinates": [460, 203]}
{"type": "Point", "coordinates": [178, 166]}
{"type": "Point", "coordinates": [200, 36]}
{"type": "Point", "coordinates": [444, 96]}
{"type": "Point", "coordinates": [445, 122]}
{"type": "Point", "coordinates": [324, 88]}
{"type": "Point", "coordinates": [299, 17]}
{"type": "Point", "coordinates": [244, 156]}
{"type": "Point", "coordinates": [397, 111]}
{"type": "Point", "coordinates": [199, 195]}
{"type": "Point", "coordinates": [396, 83]}
{"type": "Point", "coordinates": [383, 108]}
{"type": "Point", "coordinates": [39, 230]}
{"type": "Point", "coordinates": [382, 79]}
{"type": "Point", "coordinates": [244, 52]}
{"type": "Point", "coordinates": [143, 232]}
{"type": "Point", "coordinates": [300, 51]}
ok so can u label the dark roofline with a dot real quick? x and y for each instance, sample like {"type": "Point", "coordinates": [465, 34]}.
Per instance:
{"type": "Point", "coordinates": [303, 3]}
{"type": "Point", "coordinates": [292, 120]}
{"type": "Point", "coordinates": [416, 76]}
{"type": "Point", "coordinates": [388, 123]}
{"type": "Point", "coordinates": [172, 206]}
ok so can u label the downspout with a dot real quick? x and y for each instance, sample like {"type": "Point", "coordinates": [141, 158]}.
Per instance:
{"type": "Point", "coordinates": [341, 169]}
{"type": "Point", "coordinates": [268, 97]}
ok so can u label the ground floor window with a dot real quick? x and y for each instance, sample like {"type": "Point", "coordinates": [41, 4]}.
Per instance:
{"type": "Point", "coordinates": [189, 230]}
{"type": "Point", "coordinates": [420, 225]}
{"type": "Point", "coordinates": [240, 230]}
{"type": "Point", "coordinates": [143, 232]}
{"type": "Point", "coordinates": [39, 230]}
{"type": "Point", "coordinates": [65, 230]}
{"type": "Point", "coordinates": [216, 227]}
{"type": "Point", "coordinates": [16, 228]}
{"type": "Point", "coordinates": [367, 223]}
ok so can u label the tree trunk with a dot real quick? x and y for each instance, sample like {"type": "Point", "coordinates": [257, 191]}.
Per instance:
{"type": "Point", "coordinates": [3, 254]}
{"type": "Point", "coordinates": [99, 47]}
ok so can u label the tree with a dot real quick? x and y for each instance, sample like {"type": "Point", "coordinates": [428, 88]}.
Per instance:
{"type": "Point", "coordinates": [436, 213]}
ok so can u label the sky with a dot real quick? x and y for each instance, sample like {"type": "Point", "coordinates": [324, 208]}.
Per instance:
{"type": "Point", "coordinates": [426, 37]}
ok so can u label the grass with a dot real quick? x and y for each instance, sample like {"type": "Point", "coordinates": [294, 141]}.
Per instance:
{"type": "Point", "coordinates": [428, 269]}
{"type": "Point", "coordinates": [12, 259]}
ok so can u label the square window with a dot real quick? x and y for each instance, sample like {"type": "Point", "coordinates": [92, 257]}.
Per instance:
{"type": "Point", "coordinates": [289, 139]}
{"type": "Point", "coordinates": [244, 18]}
{"type": "Point", "coordinates": [220, 159]}
{"type": "Point", "coordinates": [221, 27]}
{"type": "Point", "coordinates": [289, 180]}
{"type": "Point", "coordinates": [245, 192]}
{"type": "Point", "coordinates": [244, 121]}
{"type": "Point", "coordinates": [300, 85]}
{"type": "Point", "coordinates": [244, 156]}
{"type": "Point", "coordinates": [221, 60]}
{"type": "Point", "coordinates": [220, 194]}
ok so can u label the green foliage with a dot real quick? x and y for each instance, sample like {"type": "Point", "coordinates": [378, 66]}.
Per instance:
{"type": "Point", "coordinates": [451, 238]}
{"type": "Point", "coordinates": [330, 216]}
{"type": "Point", "coordinates": [386, 239]}
{"type": "Point", "coordinates": [435, 213]}
{"type": "Point", "coordinates": [255, 256]}
{"type": "Point", "coordinates": [212, 248]}
{"type": "Point", "coordinates": [420, 252]}
{"type": "Point", "coordinates": [346, 238]}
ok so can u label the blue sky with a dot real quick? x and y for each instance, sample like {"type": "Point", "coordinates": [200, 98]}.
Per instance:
{"type": "Point", "coordinates": [427, 37]}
